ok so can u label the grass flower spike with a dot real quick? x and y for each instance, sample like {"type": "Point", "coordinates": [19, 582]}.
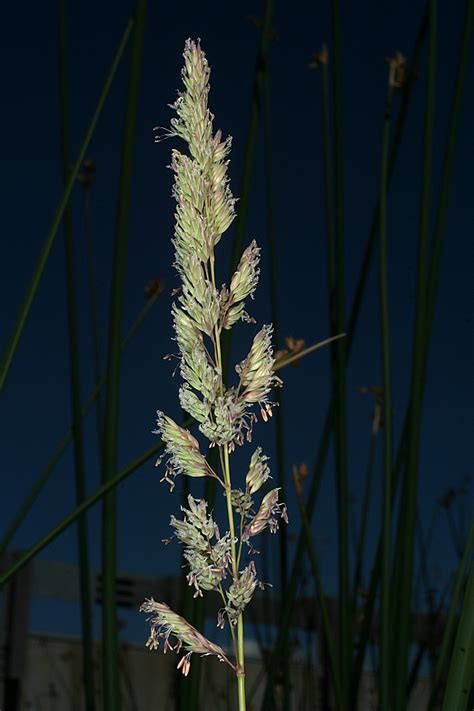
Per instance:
{"type": "Point", "coordinates": [205, 208]}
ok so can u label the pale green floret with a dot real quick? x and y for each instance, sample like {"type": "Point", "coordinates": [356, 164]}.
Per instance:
{"type": "Point", "coordinates": [197, 517]}
{"type": "Point", "coordinates": [208, 563]}
{"type": "Point", "coordinates": [195, 407]}
{"type": "Point", "coordinates": [240, 593]}
{"type": "Point", "coordinates": [241, 501]}
{"type": "Point", "coordinates": [245, 279]}
{"type": "Point", "coordinates": [200, 298]}
{"type": "Point", "coordinates": [182, 448]}
{"type": "Point", "coordinates": [203, 574]}
{"type": "Point", "coordinates": [258, 472]}
{"type": "Point", "coordinates": [228, 422]}
{"type": "Point", "coordinates": [164, 623]}
{"type": "Point", "coordinates": [265, 516]}
{"type": "Point", "coordinates": [195, 366]}
{"type": "Point", "coordinates": [257, 377]}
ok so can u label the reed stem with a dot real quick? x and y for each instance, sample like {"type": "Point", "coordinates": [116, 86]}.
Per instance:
{"type": "Point", "coordinates": [385, 667]}
{"type": "Point", "coordinates": [407, 520]}
{"type": "Point", "coordinates": [110, 666]}
{"type": "Point", "coordinates": [78, 436]}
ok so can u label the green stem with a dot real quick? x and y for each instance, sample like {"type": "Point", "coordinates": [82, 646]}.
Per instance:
{"type": "Point", "coordinates": [445, 651]}
{"type": "Point", "coordinates": [285, 617]}
{"type": "Point", "coordinates": [94, 311]}
{"type": "Point", "coordinates": [279, 433]}
{"type": "Point", "coordinates": [460, 669]}
{"type": "Point", "coordinates": [385, 668]}
{"type": "Point", "coordinates": [224, 456]}
{"type": "Point", "coordinates": [407, 519]}
{"type": "Point", "coordinates": [328, 636]}
{"type": "Point", "coordinates": [110, 668]}
{"type": "Point", "coordinates": [20, 322]}
{"type": "Point", "coordinates": [366, 504]}
{"type": "Point", "coordinates": [339, 367]}
{"type": "Point", "coordinates": [78, 435]}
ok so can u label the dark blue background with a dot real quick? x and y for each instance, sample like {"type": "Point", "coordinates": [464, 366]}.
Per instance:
{"type": "Point", "coordinates": [36, 400]}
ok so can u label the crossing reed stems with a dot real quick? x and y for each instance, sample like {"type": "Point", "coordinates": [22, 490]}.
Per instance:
{"type": "Point", "coordinates": [29, 297]}
{"type": "Point", "coordinates": [282, 638]}
{"type": "Point", "coordinates": [41, 481]}
{"type": "Point", "coordinates": [407, 520]}
{"type": "Point", "coordinates": [110, 651]}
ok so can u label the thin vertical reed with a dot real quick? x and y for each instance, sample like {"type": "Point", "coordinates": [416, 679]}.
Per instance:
{"type": "Point", "coordinates": [360, 550]}
{"type": "Point", "coordinates": [79, 464]}
{"type": "Point", "coordinates": [448, 162]}
{"type": "Point", "coordinates": [385, 667]}
{"type": "Point", "coordinates": [327, 632]}
{"type": "Point", "coordinates": [110, 670]}
{"type": "Point", "coordinates": [197, 619]}
{"type": "Point", "coordinates": [94, 311]}
{"type": "Point", "coordinates": [25, 307]}
{"type": "Point", "coordinates": [460, 669]}
{"type": "Point", "coordinates": [250, 147]}
{"type": "Point", "coordinates": [283, 631]}
{"type": "Point", "coordinates": [445, 652]}
{"type": "Point", "coordinates": [328, 179]}
{"type": "Point", "coordinates": [407, 521]}
{"type": "Point", "coordinates": [338, 365]}
{"type": "Point", "coordinates": [439, 232]}
{"type": "Point", "coordinates": [279, 434]}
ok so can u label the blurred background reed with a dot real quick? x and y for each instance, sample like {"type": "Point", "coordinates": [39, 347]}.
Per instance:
{"type": "Point", "coordinates": [352, 164]}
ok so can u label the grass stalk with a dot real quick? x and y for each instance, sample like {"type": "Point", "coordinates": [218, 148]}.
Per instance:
{"type": "Point", "coordinates": [110, 649]}
{"type": "Point", "coordinates": [25, 307]}
{"type": "Point", "coordinates": [192, 692]}
{"type": "Point", "coordinates": [258, 89]}
{"type": "Point", "coordinates": [361, 538]}
{"type": "Point", "coordinates": [338, 366]}
{"type": "Point", "coordinates": [352, 325]}
{"type": "Point", "coordinates": [279, 434]}
{"type": "Point", "coordinates": [459, 680]}
{"type": "Point", "coordinates": [407, 521]}
{"type": "Point", "coordinates": [78, 437]}
{"type": "Point", "coordinates": [325, 622]}
{"type": "Point", "coordinates": [67, 439]}
{"type": "Point", "coordinates": [445, 653]}
{"type": "Point", "coordinates": [94, 311]}
{"type": "Point", "coordinates": [328, 177]}
{"type": "Point", "coordinates": [439, 231]}
{"type": "Point", "coordinates": [385, 665]}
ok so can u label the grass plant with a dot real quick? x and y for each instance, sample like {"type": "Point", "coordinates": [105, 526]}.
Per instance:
{"type": "Point", "coordinates": [220, 558]}
{"type": "Point", "coordinates": [220, 563]}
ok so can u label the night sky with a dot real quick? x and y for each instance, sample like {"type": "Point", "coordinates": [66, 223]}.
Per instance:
{"type": "Point", "coordinates": [36, 399]}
